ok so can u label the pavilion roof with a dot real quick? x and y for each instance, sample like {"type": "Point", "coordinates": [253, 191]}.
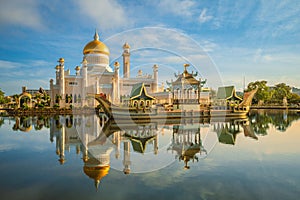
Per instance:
{"type": "Point", "coordinates": [138, 91]}
{"type": "Point", "coordinates": [227, 92]}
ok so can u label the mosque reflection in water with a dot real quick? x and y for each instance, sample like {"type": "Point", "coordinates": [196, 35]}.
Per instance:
{"type": "Point", "coordinates": [96, 139]}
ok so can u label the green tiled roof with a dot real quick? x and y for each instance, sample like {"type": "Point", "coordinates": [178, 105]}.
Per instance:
{"type": "Point", "coordinates": [227, 92]}
{"type": "Point", "coordinates": [139, 90]}
{"type": "Point", "coordinates": [136, 89]}
{"type": "Point", "coordinates": [139, 144]}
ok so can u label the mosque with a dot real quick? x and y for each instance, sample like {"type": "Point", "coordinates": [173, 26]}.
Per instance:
{"type": "Point", "coordinates": [95, 76]}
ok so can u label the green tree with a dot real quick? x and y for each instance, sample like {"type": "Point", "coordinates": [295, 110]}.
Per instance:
{"type": "Point", "coordinates": [1, 121]}
{"type": "Point", "coordinates": [2, 97]}
{"type": "Point", "coordinates": [280, 91]}
{"type": "Point", "coordinates": [294, 99]}
{"type": "Point", "coordinates": [263, 93]}
{"type": "Point", "coordinates": [46, 98]}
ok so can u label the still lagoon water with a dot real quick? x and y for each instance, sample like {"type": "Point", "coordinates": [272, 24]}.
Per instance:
{"type": "Point", "coordinates": [84, 157]}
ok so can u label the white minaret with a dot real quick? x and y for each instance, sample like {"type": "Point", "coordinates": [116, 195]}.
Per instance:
{"type": "Point", "coordinates": [84, 81]}
{"type": "Point", "coordinates": [126, 60]}
{"type": "Point", "coordinates": [155, 76]}
{"type": "Point", "coordinates": [117, 83]}
{"type": "Point", "coordinates": [57, 69]}
{"type": "Point", "coordinates": [61, 62]}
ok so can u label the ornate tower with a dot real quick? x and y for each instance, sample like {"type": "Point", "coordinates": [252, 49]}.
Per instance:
{"type": "Point", "coordinates": [61, 62]}
{"type": "Point", "coordinates": [126, 60]}
{"type": "Point", "coordinates": [155, 76]}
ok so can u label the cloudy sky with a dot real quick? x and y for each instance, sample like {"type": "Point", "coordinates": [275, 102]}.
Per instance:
{"type": "Point", "coordinates": [223, 40]}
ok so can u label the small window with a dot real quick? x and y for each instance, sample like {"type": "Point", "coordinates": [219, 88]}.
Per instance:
{"type": "Point", "coordinates": [73, 83]}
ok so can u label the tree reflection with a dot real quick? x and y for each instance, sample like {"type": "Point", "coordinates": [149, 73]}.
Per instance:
{"type": "Point", "coordinates": [262, 120]}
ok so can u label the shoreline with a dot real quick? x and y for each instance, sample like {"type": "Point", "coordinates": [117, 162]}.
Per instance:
{"type": "Point", "coordinates": [68, 111]}
{"type": "Point", "coordinates": [46, 111]}
{"type": "Point", "coordinates": [275, 107]}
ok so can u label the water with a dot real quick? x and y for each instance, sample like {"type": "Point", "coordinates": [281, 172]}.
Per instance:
{"type": "Point", "coordinates": [81, 157]}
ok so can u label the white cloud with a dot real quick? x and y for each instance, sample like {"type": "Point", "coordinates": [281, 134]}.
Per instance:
{"type": "Point", "coordinates": [179, 8]}
{"type": "Point", "coordinates": [204, 17]}
{"type": "Point", "coordinates": [9, 65]}
{"type": "Point", "coordinates": [108, 14]}
{"type": "Point", "coordinates": [257, 55]}
{"type": "Point", "coordinates": [20, 12]}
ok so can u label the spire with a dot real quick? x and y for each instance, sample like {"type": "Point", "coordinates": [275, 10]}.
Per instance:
{"type": "Point", "coordinates": [96, 36]}
{"type": "Point", "coordinates": [97, 184]}
{"type": "Point", "coordinates": [185, 66]}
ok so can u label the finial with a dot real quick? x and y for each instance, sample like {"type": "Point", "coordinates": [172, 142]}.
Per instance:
{"type": "Point", "coordinates": [96, 36]}
{"type": "Point", "coordinates": [185, 66]}
{"type": "Point", "coordinates": [96, 182]}
{"type": "Point", "coordinates": [126, 46]}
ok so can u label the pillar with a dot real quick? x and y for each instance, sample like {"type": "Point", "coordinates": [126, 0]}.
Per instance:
{"type": "Point", "coordinates": [155, 77]}
{"type": "Point", "coordinates": [117, 83]}
{"type": "Point", "coordinates": [84, 82]}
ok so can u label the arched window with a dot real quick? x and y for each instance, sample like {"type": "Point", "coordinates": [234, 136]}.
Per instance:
{"type": "Point", "coordinates": [135, 104]}
{"type": "Point", "coordinates": [142, 103]}
{"type": "Point", "coordinates": [75, 98]}
{"type": "Point", "coordinates": [79, 99]}
{"type": "Point", "coordinates": [147, 103]}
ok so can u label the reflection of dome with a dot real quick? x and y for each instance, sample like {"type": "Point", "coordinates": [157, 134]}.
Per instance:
{"type": "Point", "coordinates": [96, 46]}
{"type": "Point", "coordinates": [96, 172]}
{"type": "Point", "coordinates": [25, 129]}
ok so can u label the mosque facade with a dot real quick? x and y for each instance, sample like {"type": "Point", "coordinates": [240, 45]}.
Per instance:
{"type": "Point", "coordinates": [96, 76]}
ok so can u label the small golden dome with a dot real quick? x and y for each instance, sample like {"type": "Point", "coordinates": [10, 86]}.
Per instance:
{"type": "Point", "coordinates": [96, 46]}
{"type": "Point", "coordinates": [77, 68]}
{"type": "Point", "coordinates": [61, 60]}
{"type": "Point", "coordinates": [25, 94]}
{"type": "Point", "coordinates": [116, 64]}
{"type": "Point", "coordinates": [26, 129]}
{"type": "Point", "coordinates": [126, 46]}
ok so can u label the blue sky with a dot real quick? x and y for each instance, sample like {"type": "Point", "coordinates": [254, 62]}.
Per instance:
{"type": "Point", "coordinates": [226, 39]}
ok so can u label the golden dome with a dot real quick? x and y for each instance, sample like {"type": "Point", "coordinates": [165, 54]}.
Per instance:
{"type": "Point", "coordinates": [96, 46]}
{"type": "Point", "coordinates": [25, 94]}
{"type": "Point", "coordinates": [25, 129]}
